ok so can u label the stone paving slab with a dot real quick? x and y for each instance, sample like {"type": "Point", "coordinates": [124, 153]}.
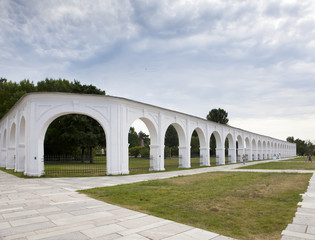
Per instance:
{"type": "Point", "coordinates": [303, 225]}
{"type": "Point", "coordinates": [32, 209]}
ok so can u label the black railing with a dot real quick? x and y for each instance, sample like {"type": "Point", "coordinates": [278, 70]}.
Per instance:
{"type": "Point", "coordinates": [74, 166]}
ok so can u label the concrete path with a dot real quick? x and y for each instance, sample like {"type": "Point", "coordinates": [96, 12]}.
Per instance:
{"type": "Point", "coordinates": [52, 209]}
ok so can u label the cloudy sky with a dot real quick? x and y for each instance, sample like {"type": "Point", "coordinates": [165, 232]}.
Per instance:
{"type": "Point", "coordinates": [255, 59]}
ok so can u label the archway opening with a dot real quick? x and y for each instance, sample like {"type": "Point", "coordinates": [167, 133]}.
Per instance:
{"type": "Point", "coordinates": [171, 149]}
{"type": "Point", "coordinates": [216, 151]}
{"type": "Point", "coordinates": [21, 147]}
{"type": "Point", "coordinates": [2, 163]}
{"type": "Point", "coordinates": [230, 153]}
{"type": "Point", "coordinates": [259, 150]}
{"type": "Point", "coordinates": [3, 149]}
{"type": "Point", "coordinates": [199, 155]}
{"type": "Point", "coordinates": [75, 145]}
{"type": "Point", "coordinates": [140, 146]}
{"type": "Point", "coordinates": [240, 149]}
{"type": "Point", "coordinates": [247, 150]}
{"type": "Point", "coordinates": [12, 148]}
{"type": "Point", "coordinates": [254, 150]}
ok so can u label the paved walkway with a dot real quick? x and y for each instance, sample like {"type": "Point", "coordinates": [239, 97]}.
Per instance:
{"type": "Point", "coordinates": [52, 209]}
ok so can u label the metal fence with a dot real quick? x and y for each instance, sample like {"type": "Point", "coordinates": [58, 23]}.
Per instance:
{"type": "Point", "coordinates": [74, 166]}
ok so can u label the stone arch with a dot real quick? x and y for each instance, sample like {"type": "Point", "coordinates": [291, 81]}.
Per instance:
{"type": "Point", "coordinates": [183, 147]}
{"type": "Point", "coordinates": [248, 149]}
{"type": "Point", "coordinates": [183, 153]}
{"type": "Point", "coordinates": [231, 156]}
{"type": "Point", "coordinates": [240, 148]}
{"type": "Point", "coordinates": [47, 118]}
{"type": "Point", "coordinates": [259, 150]}
{"type": "Point", "coordinates": [268, 150]}
{"type": "Point", "coordinates": [219, 151]}
{"type": "Point", "coordinates": [4, 149]}
{"type": "Point", "coordinates": [153, 155]}
{"type": "Point", "coordinates": [264, 150]}
{"type": "Point", "coordinates": [20, 167]}
{"type": "Point", "coordinates": [203, 150]}
{"type": "Point", "coordinates": [2, 163]}
{"type": "Point", "coordinates": [4, 140]}
{"type": "Point", "coordinates": [254, 149]}
{"type": "Point", "coordinates": [11, 157]}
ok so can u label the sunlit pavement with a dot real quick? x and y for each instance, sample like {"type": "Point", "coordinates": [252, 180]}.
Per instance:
{"type": "Point", "coordinates": [52, 209]}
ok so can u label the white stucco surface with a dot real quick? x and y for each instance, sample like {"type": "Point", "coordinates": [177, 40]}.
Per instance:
{"type": "Point", "coordinates": [23, 129]}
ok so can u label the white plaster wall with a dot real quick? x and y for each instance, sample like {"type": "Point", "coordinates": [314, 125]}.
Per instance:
{"type": "Point", "coordinates": [25, 151]}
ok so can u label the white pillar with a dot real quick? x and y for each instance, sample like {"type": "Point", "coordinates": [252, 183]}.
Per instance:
{"type": "Point", "coordinates": [184, 157]}
{"type": "Point", "coordinates": [204, 156]}
{"type": "Point", "coordinates": [220, 155]}
{"type": "Point", "coordinates": [232, 155]}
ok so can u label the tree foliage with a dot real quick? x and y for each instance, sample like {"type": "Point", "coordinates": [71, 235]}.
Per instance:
{"type": "Point", "coordinates": [218, 115]}
{"type": "Point", "coordinates": [11, 92]}
{"type": "Point", "coordinates": [302, 147]}
{"type": "Point", "coordinates": [70, 134]}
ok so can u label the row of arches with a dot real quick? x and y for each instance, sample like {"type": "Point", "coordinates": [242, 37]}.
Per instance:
{"type": "Point", "coordinates": [227, 148]}
{"type": "Point", "coordinates": [23, 130]}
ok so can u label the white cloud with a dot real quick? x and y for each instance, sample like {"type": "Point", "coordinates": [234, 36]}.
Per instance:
{"type": "Point", "coordinates": [253, 58]}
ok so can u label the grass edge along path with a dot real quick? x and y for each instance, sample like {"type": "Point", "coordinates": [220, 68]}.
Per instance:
{"type": "Point", "coordinates": [238, 205]}
{"type": "Point", "coordinates": [289, 164]}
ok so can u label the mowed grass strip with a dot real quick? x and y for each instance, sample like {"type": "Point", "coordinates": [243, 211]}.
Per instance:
{"type": "Point", "coordinates": [238, 205]}
{"type": "Point", "coordinates": [291, 164]}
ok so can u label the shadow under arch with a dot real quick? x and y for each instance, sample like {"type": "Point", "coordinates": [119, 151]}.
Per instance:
{"type": "Point", "coordinates": [259, 150]}
{"type": "Point", "coordinates": [82, 149]}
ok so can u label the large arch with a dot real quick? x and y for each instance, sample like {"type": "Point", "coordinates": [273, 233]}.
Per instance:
{"type": "Point", "coordinates": [240, 148]}
{"type": "Point", "coordinates": [203, 149]}
{"type": "Point", "coordinates": [4, 149]}
{"type": "Point", "coordinates": [268, 150]}
{"type": "Point", "coordinates": [183, 154]}
{"type": "Point", "coordinates": [78, 154]}
{"type": "Point", "coordinates": [219, 150]}
{"type": "Point", "coordinates": [248, 150]}
{"type": "Point", "coordinates": [50, 116]}
{"type": "Point", "coordinates": [254, 150]}
{"type": "Point", "coordinates": [2, 164]}
{"type": "Point", "coordinates": [11, 157]}
{"type": "Point", "coordinates": [259, 150]}
{"type": "Point", "coordinates": [20, 163]}
{"type": "Point", "coordinates": [231, 153]}
{"type": "Point", "coordinates": [264, 150]}
{"type": "Point", "coordinates": [154, 163]}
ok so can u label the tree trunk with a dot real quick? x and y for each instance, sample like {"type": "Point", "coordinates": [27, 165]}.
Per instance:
{"type": "Point", "coordinates": [91, 156]}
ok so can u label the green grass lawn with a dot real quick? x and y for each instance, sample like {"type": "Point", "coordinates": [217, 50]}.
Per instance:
{"type": "Point", "coordinates": [238, 205]}
{"type": "Point", "coordinates": [291, 164]}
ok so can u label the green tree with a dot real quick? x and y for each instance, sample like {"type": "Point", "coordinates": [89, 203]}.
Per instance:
{"type": "Point", "coordinates": [290, 139]}
{"type": "Point", "coordinates": [74, 134]}
{"type": "Point", "coordinates": [218, 115]}
{"type": "Point", "coordinates": [68, 134]}
{"type": "Point", "coordinates": [144, 138]}
{"type": "Point", "coordinates": [133, 138]}
{"type": "Point", "coordinates": [171, 137]}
